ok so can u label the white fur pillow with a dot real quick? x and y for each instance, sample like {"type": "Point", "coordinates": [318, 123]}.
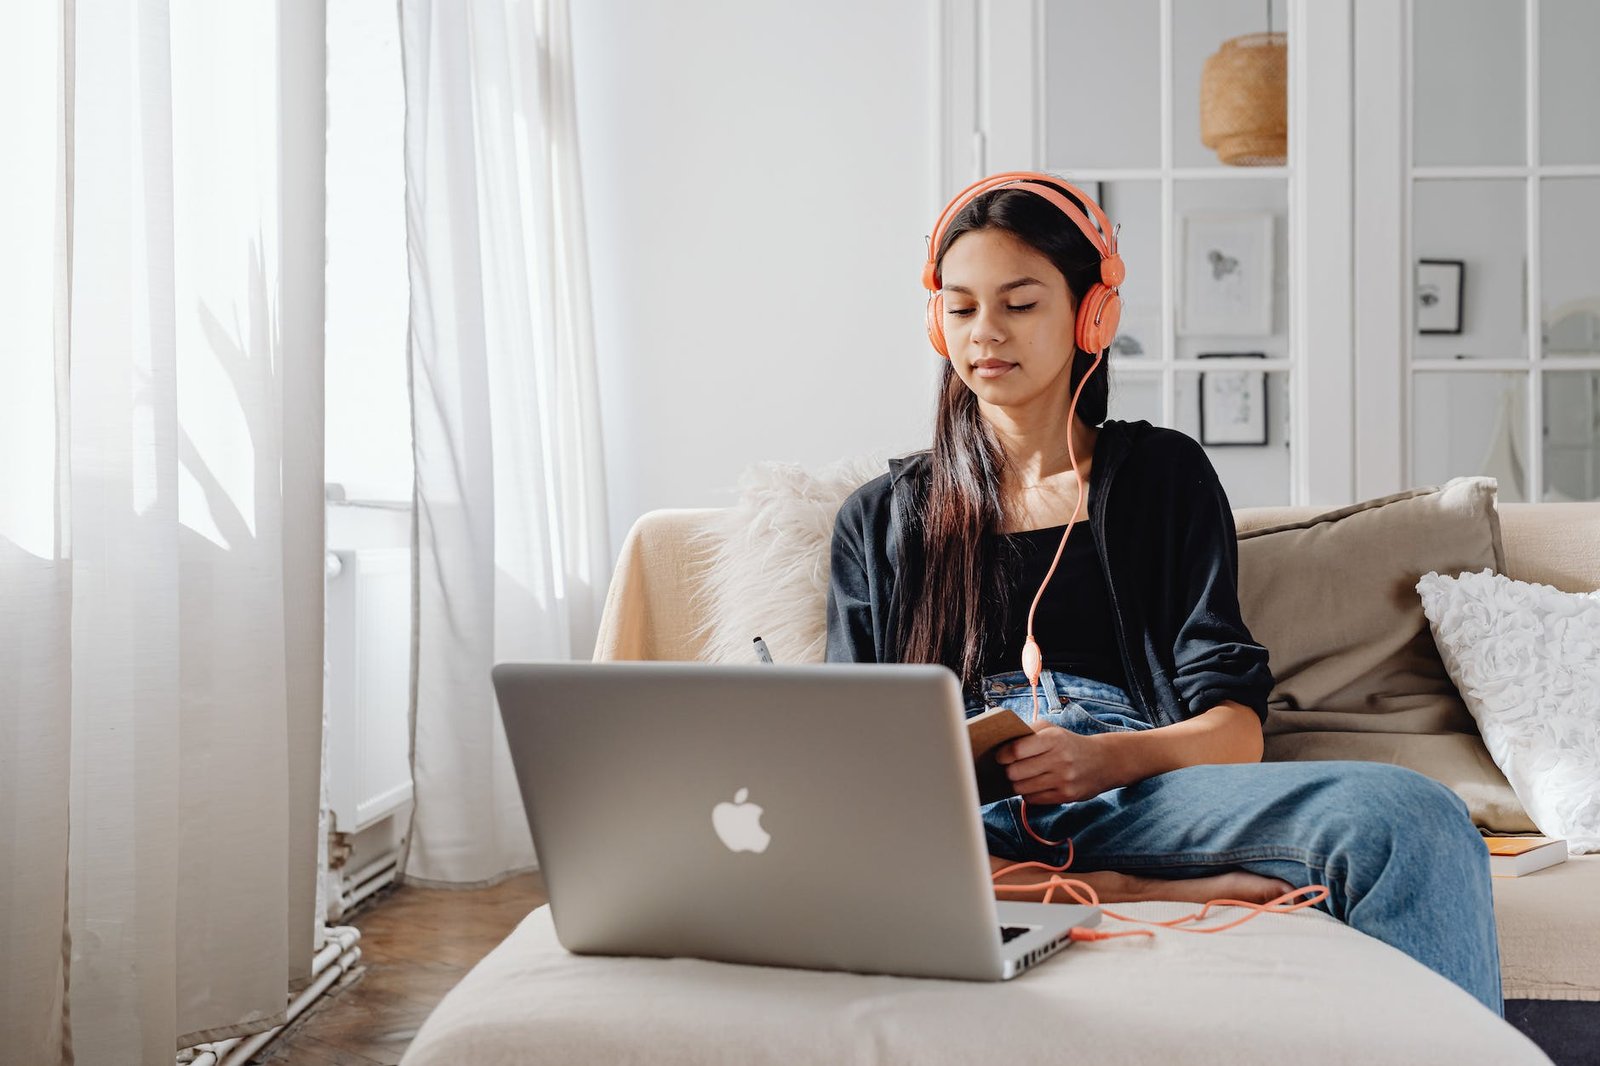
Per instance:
{"type": "Point", "coordinates": [1526, 659]}
{"type": "Point", "coordinates": [767, 561]}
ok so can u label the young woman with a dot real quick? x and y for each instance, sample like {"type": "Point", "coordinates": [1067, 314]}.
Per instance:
{"type": "Point", "coordinates": [1151, 690]}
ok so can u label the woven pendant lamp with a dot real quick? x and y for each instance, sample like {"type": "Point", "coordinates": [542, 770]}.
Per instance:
{"type": "Point", "coordinates": [1244, 100]}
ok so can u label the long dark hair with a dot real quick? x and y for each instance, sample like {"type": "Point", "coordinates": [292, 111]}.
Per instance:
{"type": "Point", "coordinates": [941, 614]}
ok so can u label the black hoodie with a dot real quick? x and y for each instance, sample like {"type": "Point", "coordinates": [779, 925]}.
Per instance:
{"type": "Point", "coordinates": [1166, 540]}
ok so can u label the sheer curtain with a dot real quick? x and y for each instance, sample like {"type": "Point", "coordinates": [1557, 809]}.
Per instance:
{"type": "Point", "coordinates": [512, 545]}
{"type": "Point", "coordinates": [152, 893]}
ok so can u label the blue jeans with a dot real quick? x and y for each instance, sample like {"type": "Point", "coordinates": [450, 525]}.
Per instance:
{"type": "Point", "coordinates": [1397, 850]}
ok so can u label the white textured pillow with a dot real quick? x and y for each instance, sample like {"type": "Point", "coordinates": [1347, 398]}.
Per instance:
{"type": "Point", "coordinates": [1527, 661]}
{"type": "Point", "coordinates": [766, 561]}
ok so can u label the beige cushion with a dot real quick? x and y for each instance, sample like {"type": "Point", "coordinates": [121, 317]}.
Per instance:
{"type": "Point", "coordinates": [1459, 760]}
{"type": "Point", "coordinates": [1547, 543]}
{"type": "Point", "coordinates": [1333, 597]}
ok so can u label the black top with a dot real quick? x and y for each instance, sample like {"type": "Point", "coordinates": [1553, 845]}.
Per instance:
{"type": "Point", "coordinates": [1073, 625]}
{"type": "Point", "coordinates": [1164, 532]}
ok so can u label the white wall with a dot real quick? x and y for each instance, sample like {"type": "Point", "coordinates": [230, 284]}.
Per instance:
{"type": "Point", "coordinates": [758, 182]}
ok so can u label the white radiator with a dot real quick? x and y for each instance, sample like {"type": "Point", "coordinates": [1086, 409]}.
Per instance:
{"type": "Point", "coordinates": [369, 683]}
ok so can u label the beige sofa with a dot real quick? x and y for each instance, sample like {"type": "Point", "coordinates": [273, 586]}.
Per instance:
{"type": "Point", "coordinates": [1549, 922]}
{"type": "Point", "coordinates": [1299, 987]}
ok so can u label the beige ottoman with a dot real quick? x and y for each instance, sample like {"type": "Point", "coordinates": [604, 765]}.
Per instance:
{"type": "Point", "coordinates": [1280, 989]}
{"type": "Point", "coordinates": [1549, 925]}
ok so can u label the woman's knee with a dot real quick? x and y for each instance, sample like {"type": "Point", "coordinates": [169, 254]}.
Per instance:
{"type": "Point", "coordinates": [1399, 803]}
{"type": "Point", "coordinates": [1407, 790]}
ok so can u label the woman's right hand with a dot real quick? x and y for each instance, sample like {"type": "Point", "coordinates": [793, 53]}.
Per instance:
{"type": "Point", "coordinates": [1056, 765]}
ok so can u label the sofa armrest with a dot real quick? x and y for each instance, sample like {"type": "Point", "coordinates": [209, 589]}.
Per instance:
{"type": "Point", "coordinates": [651, 611]}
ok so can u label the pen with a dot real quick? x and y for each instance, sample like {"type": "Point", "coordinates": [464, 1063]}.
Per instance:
{"type": "Point", "coordinates": [761, 650]}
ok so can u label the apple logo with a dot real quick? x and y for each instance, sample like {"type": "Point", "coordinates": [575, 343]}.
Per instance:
{"type": "Point", "coordinates": [738, 824]}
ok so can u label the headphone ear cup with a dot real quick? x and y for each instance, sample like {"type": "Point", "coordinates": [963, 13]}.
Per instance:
{"type": "Point", "coordinates": [1098, 317]}
{"type": "Point", "coordinates": [936, 324]}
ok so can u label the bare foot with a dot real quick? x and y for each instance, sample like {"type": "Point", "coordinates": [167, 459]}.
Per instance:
{"type": "Point", "coordinates": [1235, 884]}
{"type": "Point", "coordinates": [1111, 886]}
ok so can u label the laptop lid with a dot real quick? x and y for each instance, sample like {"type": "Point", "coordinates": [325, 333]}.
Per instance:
{"type": "Point", "coordinates": [820, 816]}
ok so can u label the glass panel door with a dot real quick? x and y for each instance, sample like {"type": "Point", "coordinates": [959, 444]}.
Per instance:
{"type": "Point", "coordinates": [1206, 344]}
{"type": "Point", "coordinates": [1504, 202]}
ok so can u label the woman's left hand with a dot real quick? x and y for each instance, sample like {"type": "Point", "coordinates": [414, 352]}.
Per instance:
{"type": "Point", "coordinates": [1056, 765]}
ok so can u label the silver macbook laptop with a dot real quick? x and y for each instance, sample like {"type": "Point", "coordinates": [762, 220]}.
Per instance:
{"type": "Point", "coordinates": [818, 816]}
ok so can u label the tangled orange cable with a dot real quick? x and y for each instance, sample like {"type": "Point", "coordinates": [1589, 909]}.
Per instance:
{"type": "Point", "coordinates": [1274, 906]}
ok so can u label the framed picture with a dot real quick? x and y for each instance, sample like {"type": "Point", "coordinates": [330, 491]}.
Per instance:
{"type": "Point", "coordinates": [1233, 403]}
{"type": "Point", "coordinates": [1227, 275]}
{"type": "Point", "coordinates": [1439, 288]}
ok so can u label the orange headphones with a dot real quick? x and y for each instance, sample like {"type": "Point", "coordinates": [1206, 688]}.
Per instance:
{"type": "Point", "coordinates": [1101, 307]}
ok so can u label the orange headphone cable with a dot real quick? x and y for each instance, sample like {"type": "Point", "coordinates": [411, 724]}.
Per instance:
{"type": "Point", "coordinates": [1089, 898]}
{"type": "Point", "coordinates": [1032, 662]}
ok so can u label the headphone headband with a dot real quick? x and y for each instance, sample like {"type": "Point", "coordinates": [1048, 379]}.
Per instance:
{"type": "Point", "coordinates": [1104, 238]}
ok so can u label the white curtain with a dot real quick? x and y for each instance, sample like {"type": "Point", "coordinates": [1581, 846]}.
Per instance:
{"type": "Point", "coordinates": [147, 738]}
{"type": "Point", "coordinates": [1502, 460]}
{"type": "Point", "coordinates": [512, 546]}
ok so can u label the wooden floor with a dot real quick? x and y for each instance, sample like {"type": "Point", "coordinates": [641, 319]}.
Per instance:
{"type": "Point", "coordinates": [416, 943]}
